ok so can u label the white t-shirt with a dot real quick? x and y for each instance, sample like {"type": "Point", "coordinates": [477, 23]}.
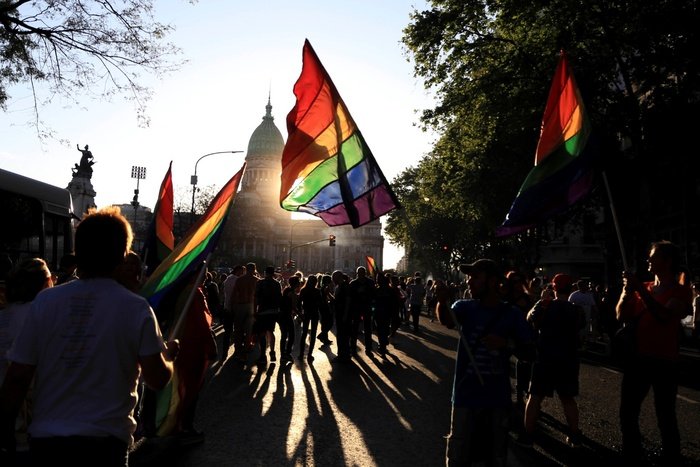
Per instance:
{"type": "Point", "coordinates": [85, 338]}
{"type": "Point", "coordinates": [228, 290]}
{"type": "Point", "coordinates": [587, 302]}
{"type": "Point", "coordinates": [583, 299]}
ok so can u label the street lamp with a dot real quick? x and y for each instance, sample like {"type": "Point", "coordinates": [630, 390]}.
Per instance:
{"type": "Point", "coordinates": [193, 178]}
{"type": "Point", "coordinates": [291, 233]}
{"type": "Point", "coordinates": [139, 173]}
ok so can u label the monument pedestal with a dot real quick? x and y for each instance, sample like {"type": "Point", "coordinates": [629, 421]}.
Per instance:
{"type": "Point", "coordinates": [82, 193]}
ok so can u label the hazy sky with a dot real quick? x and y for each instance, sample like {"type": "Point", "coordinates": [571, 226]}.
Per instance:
{"type": "Point", "coordinates": [237, 53]}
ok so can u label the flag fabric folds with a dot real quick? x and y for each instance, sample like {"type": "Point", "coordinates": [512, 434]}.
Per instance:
{"type": "Point", "coordinates": [199, 241]}
{"type": "Point", "coordinates": [159, 239]}
{"type": "Point", "coordinates": [327, 168]}
{"type": "Point", "coordinates": [563, 171]}
{"type": "Point", "coordinates": [371, 266]}
{"type": "Point", "coordinates": [176, 402]}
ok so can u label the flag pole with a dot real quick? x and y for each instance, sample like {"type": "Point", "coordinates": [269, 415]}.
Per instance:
{"type": "Point", "coordinates": [615, 222]}
{"type": "Point", "coordinates": [462, 337]}
{"type": "Point", "coordinates": [181, 319]}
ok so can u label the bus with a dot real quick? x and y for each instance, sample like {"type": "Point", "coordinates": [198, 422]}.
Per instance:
{"type": "Point", "coordinates": [37, 219]}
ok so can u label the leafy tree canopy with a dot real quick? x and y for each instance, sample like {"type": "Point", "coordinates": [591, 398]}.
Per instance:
{"type": "Point", "coordinates": [490, 65]}
{"type": "Point", "coordinates": [77, 48]}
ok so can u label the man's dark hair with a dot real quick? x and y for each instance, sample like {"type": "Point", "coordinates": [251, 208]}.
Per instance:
{"type": "Point", "coordinates": [671, 251]}
{"type": "Point", "coordinates": [102, 240]}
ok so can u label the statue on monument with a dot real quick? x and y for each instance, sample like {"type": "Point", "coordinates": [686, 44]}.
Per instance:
{"type": "Point", "coordinates": [84, 168]}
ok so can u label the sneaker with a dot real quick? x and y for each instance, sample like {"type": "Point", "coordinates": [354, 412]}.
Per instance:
{"type": "Point", "coordinates": [524, 440]}
{"type": "Point", "coordinates": [574, 440]}
{"type": "Point", "coordinates": [273, 356]}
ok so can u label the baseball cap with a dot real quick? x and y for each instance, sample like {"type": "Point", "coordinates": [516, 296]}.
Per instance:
{"type": "Point", "coordinates": [488, 266]}
{"type": "Point", "coordinates": [562, 280]}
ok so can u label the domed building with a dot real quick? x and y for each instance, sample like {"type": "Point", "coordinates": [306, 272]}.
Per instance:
{"type": "Point", "coordinates": [259, 230]}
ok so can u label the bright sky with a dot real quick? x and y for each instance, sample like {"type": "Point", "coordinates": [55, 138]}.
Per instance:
{"type": "Point", "coordinates": [237, 52]}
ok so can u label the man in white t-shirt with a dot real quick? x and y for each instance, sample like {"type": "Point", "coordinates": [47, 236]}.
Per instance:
{"type": "Point", "coordinates": [585, 299]}
{"type": "Point", "coordinates": [85, 344]}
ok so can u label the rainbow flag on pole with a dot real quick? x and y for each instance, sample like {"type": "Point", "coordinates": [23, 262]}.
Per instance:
{"type": "Point", "coordinates": [563, 171]}
{"type": "Point", "coordinates": [200, 240]}
{"type": "Point", "coordinates": [327, 168]}
{"type": "Point", "coordinates": [160, 240]}
{"type": "Point", "coordinates": [371, 266]}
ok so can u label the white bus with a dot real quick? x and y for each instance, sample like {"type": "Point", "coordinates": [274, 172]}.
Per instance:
{"type": "Point", "coordinates": [36, 219]}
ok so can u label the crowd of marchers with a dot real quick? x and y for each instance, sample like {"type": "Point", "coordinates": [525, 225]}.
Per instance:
{"type": "Point", "coordinates": [500, 320]}
{"type": "Point", "coordinates": [82, 355]}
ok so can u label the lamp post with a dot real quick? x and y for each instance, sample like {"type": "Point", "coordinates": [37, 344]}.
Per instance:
{"type": "Point", "coordinates": [193, 178]}
{"type": "Point", "coordinates": [291, 233]}
{"type": "Point", "coordinates": [139, 173]}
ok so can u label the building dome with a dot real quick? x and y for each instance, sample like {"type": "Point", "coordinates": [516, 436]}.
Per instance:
{"type": "Point", "coordinates": [248, 199]}
{"type": "Point", "coordinates": [266, 140]}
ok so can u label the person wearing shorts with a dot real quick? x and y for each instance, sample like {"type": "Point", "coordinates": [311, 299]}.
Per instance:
{"type": "Point", "coordinates": [557, 323]}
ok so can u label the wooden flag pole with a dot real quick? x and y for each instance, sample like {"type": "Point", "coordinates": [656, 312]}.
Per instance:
{"type": "Point", "coordinates": [616, 223]}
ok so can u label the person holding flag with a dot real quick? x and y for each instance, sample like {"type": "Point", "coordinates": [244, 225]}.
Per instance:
{"type": "Point", "coordinates": [481, 398]}
{"type": "Point", "coordinates": [198, 350]}
{"type": "Point", "coordinates": [653, 311]}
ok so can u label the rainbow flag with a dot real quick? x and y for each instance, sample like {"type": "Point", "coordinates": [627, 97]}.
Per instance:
{"type": "Point", "coordinates": [159, 239]}
{"type": "Point", "coordinates": [197, 350]}
{"type": "Point", "coordinates": [563, 171]}
{"type": "Point", "coordinates": [200, 240]}
{"type": "Point", "coordinates": [371, 266]}
{"type": "Point", "coordinates": [327, 168]}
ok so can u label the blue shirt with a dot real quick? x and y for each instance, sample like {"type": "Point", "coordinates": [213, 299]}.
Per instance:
{"type": "Point", "coordinates": [476, 321]}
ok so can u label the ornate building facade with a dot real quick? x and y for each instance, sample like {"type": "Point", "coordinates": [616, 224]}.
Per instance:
{"type": "Point", "coordinates": [260, 230]}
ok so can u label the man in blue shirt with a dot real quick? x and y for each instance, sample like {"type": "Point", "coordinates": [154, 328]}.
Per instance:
{"type": "Point", "coordinates": [481, 398]}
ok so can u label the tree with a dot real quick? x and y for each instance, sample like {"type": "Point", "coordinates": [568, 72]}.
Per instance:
{"type": "Point", "coordinates": [491, 64]}
{"type": "Point", "coordinates": [77, 48]}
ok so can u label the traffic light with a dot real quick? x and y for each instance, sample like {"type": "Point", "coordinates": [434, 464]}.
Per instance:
{"type": "Point", "coordinates": [331, 240]}
{"type": "Point", "coordinates": [292, 264]}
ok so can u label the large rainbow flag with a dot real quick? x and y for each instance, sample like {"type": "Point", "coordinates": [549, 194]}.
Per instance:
{"type": "Point", "coordinates": [563, 171]}
{"type": "Point", "coordinates": [159, 239]}
{"type": "Point", "coordinates": [199, 241]}
{"type": "Point", "coordinates": [327, 168]}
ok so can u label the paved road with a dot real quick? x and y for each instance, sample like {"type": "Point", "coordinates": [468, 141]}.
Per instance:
{"type": "Point", "coordinates": [375, 412]}
{"type": "Point", "coordinates": [371, 412]}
